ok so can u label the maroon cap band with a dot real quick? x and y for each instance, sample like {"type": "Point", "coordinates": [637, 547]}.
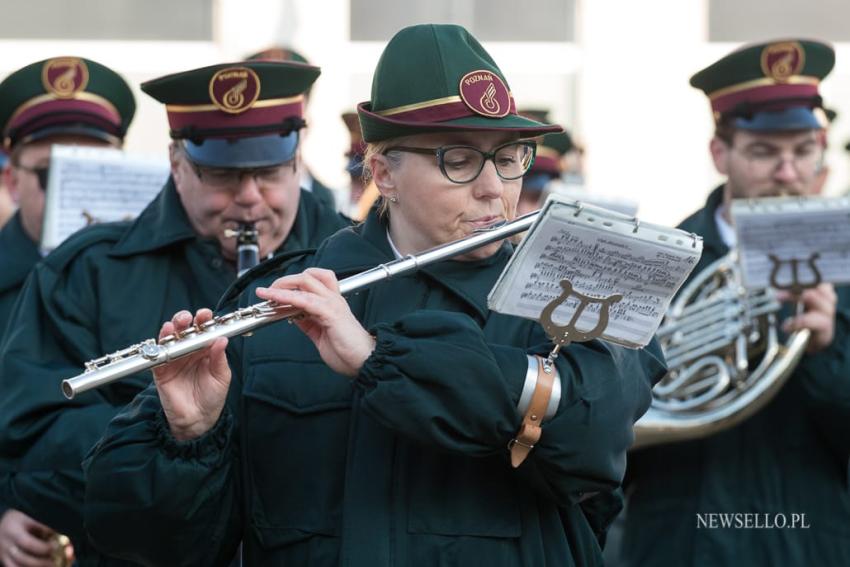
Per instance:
{"type": "Point", "coordinates": [45, 108]}
{"type": "Point", "coordinates": [758, 92]}
{"type": "Point", "coordinates": [208, 117]}
{"type": "Point", "coordinates": [434, 111]}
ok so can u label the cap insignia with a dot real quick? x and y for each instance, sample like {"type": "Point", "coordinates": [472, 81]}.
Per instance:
{"type": "Point", "coordinates": [485, 93]}
{"type": "Point", "coordinates": [781, 61]}
{"type": "Point", "coordinates": [64, 77]}
{"type": "Point", "coordinates": [235, 89]}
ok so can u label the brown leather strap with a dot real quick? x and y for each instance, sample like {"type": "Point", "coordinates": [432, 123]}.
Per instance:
{"type": "Point", "coordinates": [530, 430]}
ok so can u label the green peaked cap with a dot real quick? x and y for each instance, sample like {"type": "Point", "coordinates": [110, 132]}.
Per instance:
{"type": "Point", "coordinates": [65, 95]}
{"type": "Point", "coordinates": [780, 77]}
{"type": "Point", "coordinates": [436, 78]}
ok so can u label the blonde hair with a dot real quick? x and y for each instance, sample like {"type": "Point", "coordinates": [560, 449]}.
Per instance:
{"type": "Point", "coordinates": [394, 160]}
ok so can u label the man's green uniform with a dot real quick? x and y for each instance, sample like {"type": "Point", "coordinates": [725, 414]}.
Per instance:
{"type": "Point", "coordinates": [18, 255]}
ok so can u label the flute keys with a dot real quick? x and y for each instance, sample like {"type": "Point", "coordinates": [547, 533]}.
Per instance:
{"type": "Point", "coordinates": [151, 350]}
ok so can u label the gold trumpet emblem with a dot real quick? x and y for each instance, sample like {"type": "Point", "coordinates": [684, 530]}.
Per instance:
{"type": "Point", "coordinates": [488, 100]}
{"type": "Point", "coordinates": [63, 77]}
{"type": "Point", "coordinates": [235, 97]}
{"type": "Point", "coordinates": [64, 83]}
{"type": "Point", "coordinates": [783, 66]}
{"type": "Point", "coordinates": [234, 89]}
{"type": "Point", "coordinates": [781, 61]}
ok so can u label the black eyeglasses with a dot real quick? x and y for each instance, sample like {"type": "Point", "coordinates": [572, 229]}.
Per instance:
{"type": "Point", "coordinates": [463, 164]}
{"type": "Point", "coordinates": [40, 172]}
{"type": "Point", "coordinates": [221, 177]}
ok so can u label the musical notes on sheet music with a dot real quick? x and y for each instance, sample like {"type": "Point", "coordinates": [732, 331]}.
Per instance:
{"type": "Point", "coordinates": [601, 255]}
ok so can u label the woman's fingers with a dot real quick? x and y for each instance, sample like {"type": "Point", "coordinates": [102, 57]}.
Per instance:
{"type": "Point", "coordinates": [315, 280]}
{"type": "Point", "coordinates": [166, 329]}
{"type": "Point", "coordinates": [203, 315]}
{"type": "Point", "coordinates": [218, 366]}
{"type": "Point", "coordinates": [326, 277]}
{"type": "Point", "coordinates": [181, 320]}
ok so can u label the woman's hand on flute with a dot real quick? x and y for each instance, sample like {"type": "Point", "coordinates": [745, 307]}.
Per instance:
{"type": "Point", "coordinates": [193, 389]}
{"type": "Point", "coordinates": [326, 319]}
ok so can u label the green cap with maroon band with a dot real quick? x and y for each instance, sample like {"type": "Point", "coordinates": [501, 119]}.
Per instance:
{"type": "Point", "coordinates": [438, 78]}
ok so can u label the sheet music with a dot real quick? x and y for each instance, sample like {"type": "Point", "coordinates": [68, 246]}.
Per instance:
{"type": "Point", "coordinates": [602, 253]}
{"type": "Point", "coordinates": [89, 184]}
{"type": "Point", "coordinates": [793, 228]}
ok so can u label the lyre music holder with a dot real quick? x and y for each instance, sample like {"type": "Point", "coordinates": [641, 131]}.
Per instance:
{"type": "Point", "coordinates": [796, 286]}
{"type": "Point", "coordinates": [563, 335]}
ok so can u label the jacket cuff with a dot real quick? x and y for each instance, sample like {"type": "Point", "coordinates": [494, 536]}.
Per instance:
{"type": "Point", "coordinates": [370, 372]}
{"type": "Point", "coordinates": [210, 444]}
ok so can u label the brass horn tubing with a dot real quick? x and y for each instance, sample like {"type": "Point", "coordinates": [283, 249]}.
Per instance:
{"type": "Point", "coordinates": [683, 337]}
{"type": "Point", "coordinates": [666, 388]}
{"type": "Point", "coordinates": [690, 325]}
{"type": "Point", "coordinates": [710, 389]}
{"type": "Point", "coordinates": [689, 355]}
{"type": "Point", "coordinates": [726, 330]}
{"type": "Point", "coordinates": [717, 312]}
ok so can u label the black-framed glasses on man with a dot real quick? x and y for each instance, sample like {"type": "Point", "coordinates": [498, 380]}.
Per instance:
{"type": "Point", "coordinates": [463, 164]}
{"type": "Point", "coordinates": [227, 177]}
{"type": "Point", "coordinates": [40, 172]}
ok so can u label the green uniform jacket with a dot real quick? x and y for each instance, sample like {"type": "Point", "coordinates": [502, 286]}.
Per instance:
{"type": "Point", "coordinates": [323, 194]}
{"type": "Point", "coordinates": [18, 255]}
{"type": "Point", "coordinates": [789, 458]}
{"type": "Point", "coordinates": [405, 465]}
{"type": "Point", "coordinates": [105, 288]}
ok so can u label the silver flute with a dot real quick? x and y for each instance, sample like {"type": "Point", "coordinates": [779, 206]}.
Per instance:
{"type": "Point", "coordinates": [152, 353]}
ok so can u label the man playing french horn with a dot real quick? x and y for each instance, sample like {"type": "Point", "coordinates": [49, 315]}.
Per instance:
{"type": "Point", "coordinates": [790, 459]}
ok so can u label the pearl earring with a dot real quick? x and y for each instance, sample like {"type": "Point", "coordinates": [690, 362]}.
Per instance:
{"type": "Point", "coordinates": [394, 199]}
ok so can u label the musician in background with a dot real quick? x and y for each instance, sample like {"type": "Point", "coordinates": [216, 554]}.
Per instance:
{"type": "Point", "coordinates": [7, 206]}
{"type": "Point", "coordinates": [234, 159]}
{"type": "Point", "coordinates": [548, 165]}
{"type": "Point", "coordinates": [357, 187]}
{"type": "Point", "coordinates": [375, 430]}
{"type": "Point", "coordinates": [323, 193]}
{"type": "Point", "coordinates": [64, 100]}
{"type": "Point", "coordinates": [791, 457]}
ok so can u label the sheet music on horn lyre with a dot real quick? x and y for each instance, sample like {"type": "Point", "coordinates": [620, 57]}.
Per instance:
{"type": "Point", "coordinates": [601, 253]}
{"type": "Point", "coordinates": [780, 235]}
{"type": "Point", "coordinates": [90, 185]}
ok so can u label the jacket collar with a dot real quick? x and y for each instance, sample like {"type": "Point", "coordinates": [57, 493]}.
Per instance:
{"type": "Point", "coordinates": [162, 223]}
{"type": "Point", "coordinates": [18, 254]}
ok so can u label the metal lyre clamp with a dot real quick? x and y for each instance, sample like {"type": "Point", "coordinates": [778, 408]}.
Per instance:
{"type": "Point", "coordinates": [563, 335]}
{"type": "Point", "coordinates": [796, 286]}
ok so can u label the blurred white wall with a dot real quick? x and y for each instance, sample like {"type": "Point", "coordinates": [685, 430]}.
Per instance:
{"type": "Point", "coordinates": [621, 86]}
